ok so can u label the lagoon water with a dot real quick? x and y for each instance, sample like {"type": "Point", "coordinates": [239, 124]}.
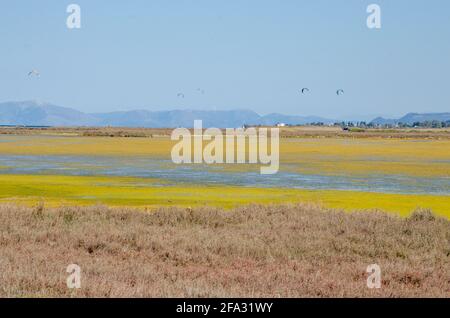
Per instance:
{"type": "Point", "coordinates": [145, 167]}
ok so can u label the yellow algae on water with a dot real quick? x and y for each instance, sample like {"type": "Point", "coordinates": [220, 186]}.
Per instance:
{"type": "Point", "coordinates": [420, 158]}
{"type": "Point", "coordinates": [370, 148]}
{"type": "Point", "coordinates": [101, 146]}
{"type": "Point", "coordinates": [140, 192]}
{"type": "Point", "coordinates": [319, 156]}
{"type": "Point", "coordinates": [366, 167]}
{"type": "Point", "coordinates": [330, 156]}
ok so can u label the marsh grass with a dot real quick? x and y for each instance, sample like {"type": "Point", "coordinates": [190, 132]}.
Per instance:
{"type": "Point", "coordinates": [287, 132]}
{"type": "Point", "coordinates": [252, 251]}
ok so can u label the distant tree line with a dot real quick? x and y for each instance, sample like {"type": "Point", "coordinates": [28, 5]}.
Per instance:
{"type": "Point", "coordinates": [363, 124]}
{"type": "Point", "coordinates": [428, 124]}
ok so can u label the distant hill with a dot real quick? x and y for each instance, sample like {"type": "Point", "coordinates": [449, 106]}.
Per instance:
{"type": "Point", "coordinates": [412, 118]}
{"type": "Point", "coordinates": [273, 119]}
{"type": "Point", "coordinates": [384, 121]}
{"type": "Point", "coordinates": [177, 118]}
{"type": "Point", "coordinates": [31, 113]}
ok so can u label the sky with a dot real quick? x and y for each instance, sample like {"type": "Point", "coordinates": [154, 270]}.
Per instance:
{"type": "Point", "coordinates": [244, 54]}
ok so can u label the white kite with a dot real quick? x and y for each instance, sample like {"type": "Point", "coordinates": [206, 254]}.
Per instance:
{"type": "Point", "coordinates": [305, 90]}
{"type": "Point", "coordinates": [34, 73]}
{"type": "Point", "coordinates": [340, 92]}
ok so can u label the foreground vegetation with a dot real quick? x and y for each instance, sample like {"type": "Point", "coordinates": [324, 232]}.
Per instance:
{"type": "Point", "coordinates": [253, 251]}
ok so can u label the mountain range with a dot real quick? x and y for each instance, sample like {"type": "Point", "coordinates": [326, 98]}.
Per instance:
{"type": "Point", "coordinates": [412, 118]}
{"type": "Point", "coordinates": [32, 113]}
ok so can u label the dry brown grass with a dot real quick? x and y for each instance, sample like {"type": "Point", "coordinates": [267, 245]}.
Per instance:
{"type": "Point", "coordinates": [285, 132]}
{"type": "Point", "coordinates": [255, 251]}
{"type": "Point", "coordinates": [88, 131]}
{"type": "Point", "coordinates": [333, 132]}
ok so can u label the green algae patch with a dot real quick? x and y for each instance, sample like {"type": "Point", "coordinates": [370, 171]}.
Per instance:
{"type": "Point", "coordinates": [143, 192]}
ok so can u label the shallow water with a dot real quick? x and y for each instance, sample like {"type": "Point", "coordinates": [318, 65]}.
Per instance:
{"type": "Point", "coordinates": [209, 175]}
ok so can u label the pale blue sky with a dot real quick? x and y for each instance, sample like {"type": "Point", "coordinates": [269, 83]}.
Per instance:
{"type": "Point", "coordinates": [254, 54]}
